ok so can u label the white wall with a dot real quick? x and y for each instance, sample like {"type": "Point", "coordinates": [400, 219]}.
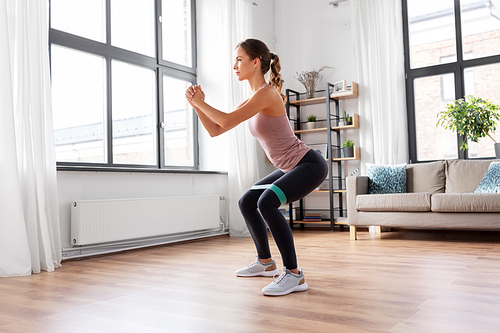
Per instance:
{"type": "Point", "coordinates": [311, 34]}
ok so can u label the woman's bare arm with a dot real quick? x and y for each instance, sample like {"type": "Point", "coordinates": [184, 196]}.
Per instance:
{"type": "Point", "coordinates": [212, 128]}
{"type": "Point", "coordinates": [259, 101]}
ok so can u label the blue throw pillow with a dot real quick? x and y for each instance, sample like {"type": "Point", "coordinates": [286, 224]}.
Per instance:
{"type": "Point", "coordinates": [491, 180]}
{"type": "Point", "coordinates": [386, 178]}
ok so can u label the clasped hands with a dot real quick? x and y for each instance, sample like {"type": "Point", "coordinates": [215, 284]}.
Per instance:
{"type": "Point", "coordinates": [195, 95]}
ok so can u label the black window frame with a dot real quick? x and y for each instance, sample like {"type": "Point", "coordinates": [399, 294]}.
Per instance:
{"type": "Point", "coordinates": [458, 68]}
{"type": "Point", "coordinates": [158, 65]}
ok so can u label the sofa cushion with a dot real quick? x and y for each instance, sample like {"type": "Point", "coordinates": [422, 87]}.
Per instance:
{"type": "Point", "coordinates": [491, 180]}
{"type": "Point", "coordinates": [426, 177]}
{"type": "Point", "coordinates": [463, 176]}
{"type": "Point", "coordinates": [466, 202]}
{"type": "Point", "coordinates": [397, 202]}
{"type": "Point", "coordinates": [386, 178]}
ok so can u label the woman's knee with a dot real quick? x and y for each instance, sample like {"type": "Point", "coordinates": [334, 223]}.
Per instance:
{"type": "Point", "coordinates": [268, 200]}
{"type": "Point", "coordinates": [248, 201]}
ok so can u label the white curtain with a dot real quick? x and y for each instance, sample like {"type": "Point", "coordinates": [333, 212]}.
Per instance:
{"type": "Point", "coordinates": [243, 167]}
{"type": "Point", "coordinates": [29, 216]}
{"type": "Point", "coordinates": [379, 57]}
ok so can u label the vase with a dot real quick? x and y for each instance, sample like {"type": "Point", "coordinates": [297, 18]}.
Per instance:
{"type": "Point", "coordinates": [309, 91]}
{"type": "Point", "coordinates": [497, 150]}
{"type": "Point", "coordinates": [311, 125]}
{"type": "Point", "coordinates": [348, 151]}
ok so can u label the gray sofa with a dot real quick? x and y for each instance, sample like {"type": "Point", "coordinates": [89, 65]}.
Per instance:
{"type": "Point", "coordinates": [439, 195]}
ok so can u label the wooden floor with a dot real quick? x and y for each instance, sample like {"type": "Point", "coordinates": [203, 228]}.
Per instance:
{"type": "Point", "coordinates": [402, 282]}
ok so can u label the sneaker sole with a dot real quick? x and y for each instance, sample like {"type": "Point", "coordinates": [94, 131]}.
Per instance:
{"type": "Point", "coordinates": [265, 273]}
{"type": "Point", "coordinates": [302, 287]}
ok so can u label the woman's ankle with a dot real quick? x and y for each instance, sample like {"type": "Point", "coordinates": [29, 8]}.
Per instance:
{"type": "Point", "coordinates": [265, 261]}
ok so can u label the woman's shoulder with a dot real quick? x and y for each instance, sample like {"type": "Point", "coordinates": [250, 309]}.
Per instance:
{"type": "Point", "coordinates": [275, 106]}
{"type": "Point", "coordinates": [270, 92]}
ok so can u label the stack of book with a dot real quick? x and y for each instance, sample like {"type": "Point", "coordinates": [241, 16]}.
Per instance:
{"type": "Point", "coordinates": [313, 217]}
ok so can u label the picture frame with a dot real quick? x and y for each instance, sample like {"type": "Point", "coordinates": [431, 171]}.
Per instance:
{"type": "Point", "coordinates": [339, 86]}
{"type": "Point", "coordinates": [321, 148]}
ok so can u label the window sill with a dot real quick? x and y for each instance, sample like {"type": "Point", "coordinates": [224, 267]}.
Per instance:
{"type": "Point", "coordinates": [136, 170]}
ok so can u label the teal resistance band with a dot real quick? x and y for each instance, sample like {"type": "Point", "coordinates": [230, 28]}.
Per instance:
{"type": "Point", "coordinates": [279, 193]}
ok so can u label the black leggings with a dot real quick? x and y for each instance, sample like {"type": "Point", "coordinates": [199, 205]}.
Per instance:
{"type": "Point", "coordinates": [308, 174]}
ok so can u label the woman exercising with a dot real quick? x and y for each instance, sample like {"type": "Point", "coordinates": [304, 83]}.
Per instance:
{"type": "Point", "coordinates": [300, 168]}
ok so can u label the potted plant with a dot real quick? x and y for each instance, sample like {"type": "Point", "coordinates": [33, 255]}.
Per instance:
{"type": "Point", "coordinates": [348, 148]}
{"type": "Point", "coordinates": [473, 117]}
{"type": "Point", "coordinates": [311, 121]}
{"type": "Point", "coordinates": [347, 119]}
{"type": "Point", "coordinates": [310, 79]}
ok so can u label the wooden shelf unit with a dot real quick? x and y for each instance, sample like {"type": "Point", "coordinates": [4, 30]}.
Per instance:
{"type": "Point", "coordinates": [332, 121]}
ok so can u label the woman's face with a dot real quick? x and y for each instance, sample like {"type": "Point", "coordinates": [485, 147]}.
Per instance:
{"type": "Point", "coordinates": [243, 66]}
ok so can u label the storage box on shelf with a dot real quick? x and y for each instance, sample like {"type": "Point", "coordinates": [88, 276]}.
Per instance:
{"type": "Point", "coordinates": [334, 152]}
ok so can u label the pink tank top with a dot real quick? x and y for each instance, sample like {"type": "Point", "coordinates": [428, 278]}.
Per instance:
{"type": "Point", "coordinates": [276, 137]}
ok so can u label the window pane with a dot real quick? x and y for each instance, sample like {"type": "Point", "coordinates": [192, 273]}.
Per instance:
{"type": "Point", "coordinates": [178, 117]}
{"type": "Point", "coordinates": [433, 143]}
{"type": "Point", "coordinates": [134, 114]}
{"type": "Point", "coordinates": [432, 32]}
{"type": "Point", "coordinates": [480, 27]}
{"type": "Point", "coordinates": [85, 18]}
{"type": "Point", "coordinates": [485, 80]}
{"type": "Point", "coordinates": [133, 25]}
{"type": "Point", "coordinates": [176, 31]}
{"type": "Point", "coordinates": [79, 105]}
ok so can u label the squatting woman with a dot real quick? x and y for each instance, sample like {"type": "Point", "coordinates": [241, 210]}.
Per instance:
{"type": "Point", "coordinates": [299, 168]}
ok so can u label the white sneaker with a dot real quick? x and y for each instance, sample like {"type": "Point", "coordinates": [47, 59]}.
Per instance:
{"type": "Point", "coordinates": [257, 268]}
{"type": "Point", "coordinates": [286, 283]}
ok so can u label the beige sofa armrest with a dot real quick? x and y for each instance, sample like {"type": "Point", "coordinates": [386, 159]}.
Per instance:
{"type": "Point", "coordinates": [355, 185]}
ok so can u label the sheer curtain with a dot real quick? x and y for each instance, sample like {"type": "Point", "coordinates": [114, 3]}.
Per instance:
{"type": "Point", "coordinates": [379, 56]}
{"type": "Point", "coordinates": [243, 167]}
{"type": "Point", "coordinates": [29, 216]}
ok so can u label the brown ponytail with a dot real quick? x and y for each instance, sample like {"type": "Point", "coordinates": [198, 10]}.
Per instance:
{"type": "Point", "coordinates": [255, 48]}
{"type": "Point", "coordinates": [275, 78]}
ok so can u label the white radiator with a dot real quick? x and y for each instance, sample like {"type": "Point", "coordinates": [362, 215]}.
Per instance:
{"type": "Point", "coordinates": [101, 221]}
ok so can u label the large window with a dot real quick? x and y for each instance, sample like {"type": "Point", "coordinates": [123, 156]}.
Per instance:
{"type": "Point", "coordinates": [452, 49]}
{"type": "Point", "coordinates": [119, 72]}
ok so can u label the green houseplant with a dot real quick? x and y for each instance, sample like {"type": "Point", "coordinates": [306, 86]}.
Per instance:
{"type": "Point", "coordinates": [348, 148]}
{"type": "Point", "coordinates": [347, 119]}
{"type": "Point", "coordinates": [311, 121]}
{"type": "Point", "coordinates": [473, 117]}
